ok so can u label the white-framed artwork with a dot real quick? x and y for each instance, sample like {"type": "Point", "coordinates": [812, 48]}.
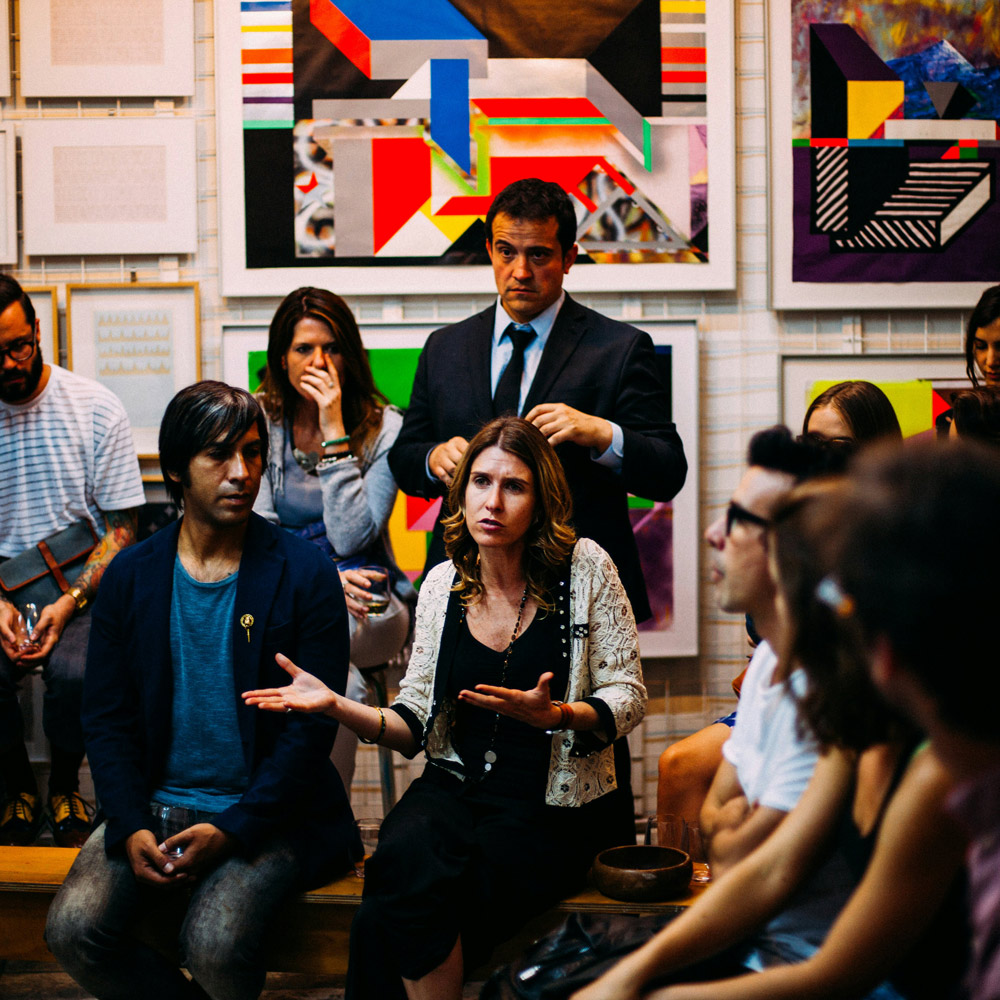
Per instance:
{"type": "Point", "coordinates": [637, 127]}
{"type": "Point", "coordinates": [881, 195]}
{"type": "Point", "coordinates": [96, 48]}
{"type": "Point", "coordinates": [8, 193]}
{"type": "Point", "coordinates": [109, 186]}
{"type": "Point", "coordinates": [143, 341]}
{"type": "Point", "coordinates": [918, 386]}
{"type": "Point", "coordinates": [45, 299]}
{"type": "Point", "coordinates": [666, 533]}
{"type": "Point", "coordinates": [5, 87]}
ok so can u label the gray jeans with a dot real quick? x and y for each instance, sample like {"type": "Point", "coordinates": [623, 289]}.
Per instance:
{"type": "Point", "coordinates": [227, 919]}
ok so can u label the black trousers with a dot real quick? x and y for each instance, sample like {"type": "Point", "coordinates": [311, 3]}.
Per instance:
{"type": "Point", "coordinates": [453, 862]}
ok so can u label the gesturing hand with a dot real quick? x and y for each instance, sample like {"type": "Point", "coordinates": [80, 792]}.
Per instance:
{"type": "Point", "coordinates": [533, 707]}
{"type": "Point", "coordinates": [559, 423]}
{"type": "Point", "coordinates": [305, 694]}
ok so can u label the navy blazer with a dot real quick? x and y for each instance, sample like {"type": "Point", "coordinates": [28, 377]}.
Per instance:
{"type": "Point", "coordinates": [294, 594]}
{"type": "Point", "coordinates": [594, 364]}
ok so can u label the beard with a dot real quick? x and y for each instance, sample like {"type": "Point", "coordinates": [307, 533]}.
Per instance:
{"type": "Point", "coordinates": [32, 377]}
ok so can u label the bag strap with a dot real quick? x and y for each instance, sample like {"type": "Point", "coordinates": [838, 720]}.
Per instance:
{"type": "Point", "coordinates": [53, 566]}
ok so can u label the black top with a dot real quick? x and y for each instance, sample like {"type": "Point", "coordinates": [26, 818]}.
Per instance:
{"type": "Point", "coordinates": [522, 751]}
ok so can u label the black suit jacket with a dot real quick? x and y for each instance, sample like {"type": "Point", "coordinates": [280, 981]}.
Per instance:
{"type": "Point", "coordinates": [294, 594]}
{"type": "Point", "coordinates": [594, 364]}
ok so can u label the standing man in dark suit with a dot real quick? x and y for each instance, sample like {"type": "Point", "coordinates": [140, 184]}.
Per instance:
{"type": "Point", "coordinates": [197, 790]}
{"type": "Point", "coordinates": [589, 383]}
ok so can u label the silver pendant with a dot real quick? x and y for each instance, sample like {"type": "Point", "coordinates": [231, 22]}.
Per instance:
{"type": "Point", "coordinates": [490, 757]}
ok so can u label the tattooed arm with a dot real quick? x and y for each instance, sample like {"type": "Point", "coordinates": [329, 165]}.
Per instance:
{"type": "Point", "coordinates": [120, 528]}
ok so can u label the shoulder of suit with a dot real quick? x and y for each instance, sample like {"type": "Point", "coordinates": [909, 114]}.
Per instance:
{"type": "Point", "coordinates": [463, 325]}
{"type": "Point", "coordinates": [604, 325]}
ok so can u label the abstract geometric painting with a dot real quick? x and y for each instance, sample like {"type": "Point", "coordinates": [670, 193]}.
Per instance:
{"type": "Point", "coordinates": [894, 151]}
{"type": "Point", "coordinates": [375, 135]}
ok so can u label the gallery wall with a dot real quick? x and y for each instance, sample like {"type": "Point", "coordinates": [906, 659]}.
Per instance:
{"type": "Point", "coordinates": [741, 340]}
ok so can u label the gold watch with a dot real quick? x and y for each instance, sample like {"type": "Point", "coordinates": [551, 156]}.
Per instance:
{"type": "Point", "coordinates": [79, 597]}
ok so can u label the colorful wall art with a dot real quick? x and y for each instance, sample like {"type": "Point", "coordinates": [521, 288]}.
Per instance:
{"type": "Point", "coordinates": [884, 152]}
{"type": "Point", "coordinates": [370, 138]}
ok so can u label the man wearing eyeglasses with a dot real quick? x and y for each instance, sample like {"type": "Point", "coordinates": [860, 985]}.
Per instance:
{"type": "Point", "coordinates": [766, 764]}
{"type": "Point", "coordinates": [66, 455]}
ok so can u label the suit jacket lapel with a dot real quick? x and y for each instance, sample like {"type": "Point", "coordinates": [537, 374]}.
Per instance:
{"type": "Point", "coordinates": [476, 364]}
{"type": "Point", "coordinates": [154, 576]}
{"type": "Point", "coordinates": [569, 327]}
{"type": "Point", "coordinates": [261, 567]}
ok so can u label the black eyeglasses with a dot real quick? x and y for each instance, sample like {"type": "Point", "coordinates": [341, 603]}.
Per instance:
{"type": "Point", "coordinates": [20, 350]}
{"type": "Point", "coordinates": [734, 512]}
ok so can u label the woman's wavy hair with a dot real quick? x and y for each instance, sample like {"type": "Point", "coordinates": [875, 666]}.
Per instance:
{"type": "Point", "coordinates": [840, 706]}
{"type": "Point", "coordinates": [987, 311]}
{"type": "Point", "coordinates": [865, 408]}
{"type": "Point", "coordinates": [550, 538]}
{"type": "Point", "coordinates": [362, 402]}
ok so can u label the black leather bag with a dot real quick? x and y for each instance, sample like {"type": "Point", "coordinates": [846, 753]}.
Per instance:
{"type": "Point", "coordinates": [43, 573]}
{"type": "Point", "coordinates": [581, 950]}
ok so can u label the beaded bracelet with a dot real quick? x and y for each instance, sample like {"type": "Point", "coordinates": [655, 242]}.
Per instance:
{"type": "Point", "coordinates": [565, 717]}
{"type": "Point", "coordinates": [381, 729]}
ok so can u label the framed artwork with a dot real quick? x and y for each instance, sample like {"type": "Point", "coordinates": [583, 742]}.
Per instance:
{"type": "Point", "coordinates": [919, 387]}
{"type": "Point", "coordinates": [143, 341]}
{"type": "Point", "coordinates": [666, 533]}
{"type": "Point", "coordinates": [45, 299]}
{"type": "Point", "coordinates": [109, 186]}
{"type": "Point", "coordinates": [368, 140]}
{"type": "Point", "coordinates": [883, 154]}
{"type": "Point", "coordinates": [8, 193]}
{"type": "Point", "coordinates": [5, 88]}
{"type": "Point", "coordinates": [92, 48]}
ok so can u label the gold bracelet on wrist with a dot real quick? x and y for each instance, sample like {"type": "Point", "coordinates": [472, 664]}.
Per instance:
{"type": "Point", "coordinates": [381, 729]}
{"type": "Point", "coordinates": [79, 597]}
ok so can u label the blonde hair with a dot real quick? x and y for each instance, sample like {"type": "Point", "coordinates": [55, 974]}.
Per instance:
{"type": "Point", "coordinates": [550, 538]}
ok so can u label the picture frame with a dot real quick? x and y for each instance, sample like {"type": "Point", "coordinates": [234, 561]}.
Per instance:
{"type": "Point", "coordinates": [45, 299]}
{"type": "Point", "coordinates": [90, 48]}
{"type": "Point", "coordinates": [847, 227]}
{"type": "Point", "coordinates": [141, 340]}
{"type": "Point", "coordinates": [8, 192]}
{"type": "Point", "coordinates": [109, 186]}
{"type": "Point", "coordinates": [241, 81]}
{"type": "Point", "coordinates": [5, 84]}
{"type": "Point", "coordinates": [918, 386]}
{"type": "Point", "coordinates": [667, 534]}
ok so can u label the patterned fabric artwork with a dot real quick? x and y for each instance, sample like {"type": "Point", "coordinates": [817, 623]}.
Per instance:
{"type": "Point", "coordinates": [377, 133]}
{"type": "Point", "coordinates": [895, 145]}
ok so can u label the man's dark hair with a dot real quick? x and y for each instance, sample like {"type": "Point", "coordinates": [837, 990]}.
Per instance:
{"type": "Point", "coordinates": [11, 292]}
{"type": "Point", "coordinates": [778, 450]}
{"type": "Point", "coordinates": [976, 413]}
{"type": "Point", "coordinates": [987, 311]}
{"type": "Point", "coordinates": [918, 563]}
{"type": "Point", "coordinates": [533, 199]}
{"type": "Point", "coordinates": [202, 414]}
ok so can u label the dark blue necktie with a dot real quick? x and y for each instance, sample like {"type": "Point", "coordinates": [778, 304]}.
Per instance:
{"type": "Point", "coordinates": [508, 394]}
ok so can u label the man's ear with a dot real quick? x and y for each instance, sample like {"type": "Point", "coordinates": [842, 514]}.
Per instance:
{"type": "Point", "coordinates": [173, 476]}
{"type": "Point", "coordinates": [569, 258]}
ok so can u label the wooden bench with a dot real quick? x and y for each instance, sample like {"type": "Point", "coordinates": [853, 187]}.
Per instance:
{"type": "Point", "coordinates": [310, 934]}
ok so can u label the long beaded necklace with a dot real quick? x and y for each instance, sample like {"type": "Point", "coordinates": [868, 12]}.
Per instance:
{"type": "Point", "coordinates": [490, 755]}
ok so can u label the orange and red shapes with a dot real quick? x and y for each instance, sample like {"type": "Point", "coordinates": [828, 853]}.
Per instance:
{"type": "Point", "coordinates": [683, 54]}
{"type": "Point", "coordinates": [251, 57]}
{"type": "Point", "coordinates": [538, 107]}
{"type": "Point", "coordinates": [401, 184]}
{"type": "Point", "coordinates": [259, 78]}
{"type": "Point", "coordinates": [684, 76]}
{"type": "Point", "coordinates": [342, 33]}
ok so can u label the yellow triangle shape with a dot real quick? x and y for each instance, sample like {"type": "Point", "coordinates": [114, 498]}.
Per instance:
{"type": "Point", "coordinates": [869, 103]}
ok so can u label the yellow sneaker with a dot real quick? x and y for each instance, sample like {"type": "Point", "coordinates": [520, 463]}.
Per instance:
{"type": "Point", "coordinates": [21, 821]}
{"type": "Point", "coordinates": [70, 819]}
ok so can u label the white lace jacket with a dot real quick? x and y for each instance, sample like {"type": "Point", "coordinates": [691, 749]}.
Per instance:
{"type": "Point", "coordinates": [603, 647]}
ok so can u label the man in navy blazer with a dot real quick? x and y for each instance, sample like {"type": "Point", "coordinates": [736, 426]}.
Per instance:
{"type": "Point", "coordinates": [589, 383]}
{"type": "Point", "coordinates": [196, 789]}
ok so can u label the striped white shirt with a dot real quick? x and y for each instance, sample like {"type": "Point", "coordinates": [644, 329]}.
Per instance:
{"type": "Point", "coordinates": [65, 455]}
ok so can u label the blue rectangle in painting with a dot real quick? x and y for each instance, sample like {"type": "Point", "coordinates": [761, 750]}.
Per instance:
{"type": "Point", "coordinates": [402, 20]}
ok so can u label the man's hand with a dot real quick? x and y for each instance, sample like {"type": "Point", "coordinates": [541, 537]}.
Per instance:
{"type": "Point", "coordinates": [445, 457]}
{"type": "Point", "coordinates": [203, 846]}
{"type": "Point", "coordinates": [149, 863]}
{"type": "Point", "coordinates": [51, 622]}
{"type": "Point", "coordinates": [560, 423]}
{"type": "Point", "coordinates": [8, 637]}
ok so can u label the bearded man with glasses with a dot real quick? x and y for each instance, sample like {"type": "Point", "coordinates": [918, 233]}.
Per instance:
{"type": "Point", "coordinates": [66, 455]}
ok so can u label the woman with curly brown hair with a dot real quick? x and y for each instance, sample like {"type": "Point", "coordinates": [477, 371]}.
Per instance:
{"type": "Point", "coordinates": [524, 677]}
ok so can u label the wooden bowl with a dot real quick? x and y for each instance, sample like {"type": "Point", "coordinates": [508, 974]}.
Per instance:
{"type": "Point", "coordinates": [643, 873]}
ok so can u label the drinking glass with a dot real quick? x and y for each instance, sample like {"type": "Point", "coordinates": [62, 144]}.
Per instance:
{"type": "Point", "coordinates": [25, 623]}
{"type": "Point", "coordinates": [368, 828]}
{"type": "Point", "coordinates": [378, 592]}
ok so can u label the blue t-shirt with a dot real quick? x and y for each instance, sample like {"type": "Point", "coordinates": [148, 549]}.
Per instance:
{"type": "Point", "coordinates": [205, 767]}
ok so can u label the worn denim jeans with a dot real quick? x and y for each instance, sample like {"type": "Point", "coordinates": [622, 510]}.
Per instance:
{"type": "Point", "coordinates": [63, 676]}
{"type": "Point", "coordinates": [227, 919]}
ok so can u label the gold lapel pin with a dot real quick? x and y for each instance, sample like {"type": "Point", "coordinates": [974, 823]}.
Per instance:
{"type": "Point", "coordinates": [246, 621]}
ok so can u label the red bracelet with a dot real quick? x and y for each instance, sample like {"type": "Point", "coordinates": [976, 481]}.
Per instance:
{"type": "Point", "coordinates": [565, 716]}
